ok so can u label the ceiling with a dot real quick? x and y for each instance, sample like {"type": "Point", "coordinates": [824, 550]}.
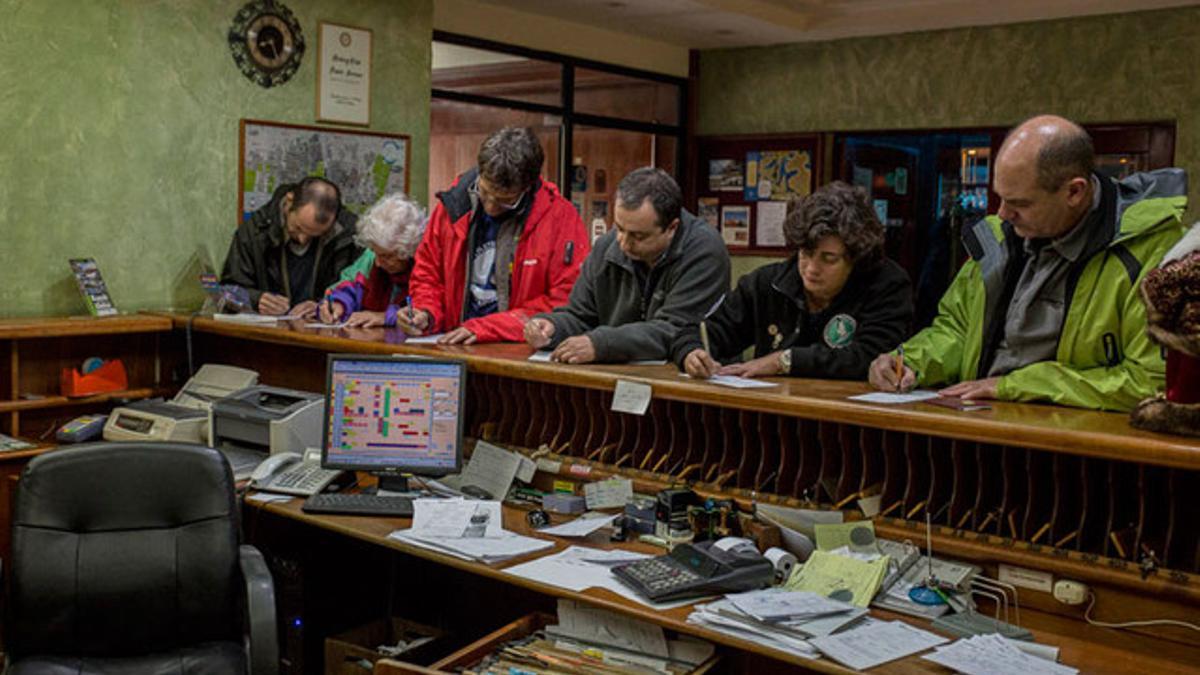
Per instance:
{"type": "Point", "coordinates": [705, 24]}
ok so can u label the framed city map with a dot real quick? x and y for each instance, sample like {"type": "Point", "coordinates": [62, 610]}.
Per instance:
{"type": "Point", "coordinates": [365, 165]}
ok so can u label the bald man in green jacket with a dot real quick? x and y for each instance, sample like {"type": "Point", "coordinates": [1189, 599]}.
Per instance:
{"type": "Point", "coordinates": [1047, 308]}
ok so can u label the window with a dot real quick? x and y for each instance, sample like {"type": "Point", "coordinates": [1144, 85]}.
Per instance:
{"type": "Point", "coordinates": [596, 121]}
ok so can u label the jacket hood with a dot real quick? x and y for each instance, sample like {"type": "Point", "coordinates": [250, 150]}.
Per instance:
{"type": "Point", "coordinates": [1149, 201]}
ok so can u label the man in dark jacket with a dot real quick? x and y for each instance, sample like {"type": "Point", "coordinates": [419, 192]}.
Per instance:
{"type": "Point", "coordinates": [824, 312]}
{"type": "Point", "coordinates": [290, 250]}
{"type": "Point", "coordinates": [659, 269]}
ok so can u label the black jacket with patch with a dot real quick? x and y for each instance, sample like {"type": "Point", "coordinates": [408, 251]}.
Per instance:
{"type": "Point", "coordinates": [256, 259]}
{"type": "Point", "coordinates": [870, 316]}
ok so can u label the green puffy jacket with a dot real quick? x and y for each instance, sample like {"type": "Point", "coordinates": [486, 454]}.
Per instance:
{"type": "Point", "coordinates": [1105, 360]}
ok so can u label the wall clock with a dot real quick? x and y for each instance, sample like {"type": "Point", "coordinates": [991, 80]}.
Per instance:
{"type": "Point", "coordinates": [266, 42]}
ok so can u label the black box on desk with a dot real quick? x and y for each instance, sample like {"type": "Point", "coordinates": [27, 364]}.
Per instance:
{"type": "Point", "coordinates": [354, 651]}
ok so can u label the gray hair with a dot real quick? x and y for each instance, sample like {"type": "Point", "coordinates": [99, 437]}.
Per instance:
{"type": "Point", "coordinates": [394, 223]}
{"type": "Point", "coordinates": [656, 185]}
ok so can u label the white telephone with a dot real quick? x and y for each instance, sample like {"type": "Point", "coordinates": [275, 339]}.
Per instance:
{"type": "Point", "coordinates": [289, 473]}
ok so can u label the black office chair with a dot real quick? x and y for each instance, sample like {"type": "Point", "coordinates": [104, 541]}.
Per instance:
{"type": "Point", "coordinates": [126, 560]}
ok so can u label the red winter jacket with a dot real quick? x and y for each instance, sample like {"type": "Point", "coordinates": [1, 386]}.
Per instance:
{"type": "Point", "coordinates": [547, 259]}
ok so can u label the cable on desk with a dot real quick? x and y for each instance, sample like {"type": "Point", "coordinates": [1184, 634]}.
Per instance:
{"type": "Point", "coordinates": [1087, 615]}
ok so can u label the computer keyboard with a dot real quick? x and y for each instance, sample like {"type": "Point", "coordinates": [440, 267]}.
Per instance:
{"type": "Point", "coordinates": [357, 503]}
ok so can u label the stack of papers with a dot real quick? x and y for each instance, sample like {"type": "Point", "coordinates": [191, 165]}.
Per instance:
{"type": "Point", "coordinates": [875, 643]}
{"type": "Point", "coordinates": [471, 530]}
{"type": "Point", "coordinates": [994, 655]}
{"type": "Point", "coordinates": [839, 577]}
{"type": "Point", "coordinates": [722, 616]}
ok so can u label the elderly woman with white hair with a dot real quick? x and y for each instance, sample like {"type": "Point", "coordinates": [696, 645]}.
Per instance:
{"type": "Point", "coordinates": [374, 296]}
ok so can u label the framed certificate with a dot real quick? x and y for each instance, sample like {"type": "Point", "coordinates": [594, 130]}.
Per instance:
{"type": "Point", "coordinates": [343, 74]}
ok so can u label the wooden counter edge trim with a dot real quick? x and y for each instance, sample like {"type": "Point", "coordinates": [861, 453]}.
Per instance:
{"type": "Point", "coordinates": [18, 329]}
{"type": "Point", "coordinates": [1157, 450]}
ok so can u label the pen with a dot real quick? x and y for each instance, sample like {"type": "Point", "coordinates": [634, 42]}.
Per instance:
{"type": "Point", "coordinates": [328, 306]}
{"type": "Point", "coordinates": [704, 337]}
{"type": "Point", "coordinates": [899, 366]}
{"type": "Point", "coordinates": [408, 301]}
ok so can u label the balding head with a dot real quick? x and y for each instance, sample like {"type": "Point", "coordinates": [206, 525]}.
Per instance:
{"type": "Point", "coordinates": [1057, 148]}
{"type": "Point", "coordinates": [1043, 176]}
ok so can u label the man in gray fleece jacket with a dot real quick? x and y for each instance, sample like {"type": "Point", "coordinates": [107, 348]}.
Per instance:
{"type": "Point", "coordinates": [658, 269]}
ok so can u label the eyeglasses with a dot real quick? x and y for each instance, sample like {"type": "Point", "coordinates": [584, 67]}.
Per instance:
{"type": "Point", "coordinates": [826, 258]}
{"type": "Point", "coordinates": [486, 197]}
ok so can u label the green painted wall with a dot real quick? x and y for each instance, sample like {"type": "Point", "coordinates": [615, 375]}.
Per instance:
{"type": "Point", "coordinates": [1126, 67]}
{"type": "Point", "coordinates": [120, 136]}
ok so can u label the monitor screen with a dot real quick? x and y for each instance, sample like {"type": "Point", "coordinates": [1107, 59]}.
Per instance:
{"type": "Point", "coordinates": [394, 414]}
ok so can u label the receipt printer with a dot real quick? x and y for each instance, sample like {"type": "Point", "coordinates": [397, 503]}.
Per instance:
{"type": "Point", "coordinates": [270, 419]}
{"type": "Point", "coordinates": [186, 417]}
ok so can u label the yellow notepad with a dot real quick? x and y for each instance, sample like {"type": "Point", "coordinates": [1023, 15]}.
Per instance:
{"type": "Point", "coordinates": [839, 577]}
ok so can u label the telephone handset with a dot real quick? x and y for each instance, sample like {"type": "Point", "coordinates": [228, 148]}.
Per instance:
{"type": "Point", "coordinates": [289, 473]}
{"type": "Point", "coordinates": [694, 570]}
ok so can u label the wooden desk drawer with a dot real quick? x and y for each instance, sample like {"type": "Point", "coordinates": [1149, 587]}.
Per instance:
{"type": "Point", "coordinates": [474, 652]}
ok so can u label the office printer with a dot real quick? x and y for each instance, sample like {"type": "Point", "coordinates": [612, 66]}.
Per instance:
{"type": "Point", "coordinates": [184, 418]}
{"type": "Point", "coordinates": [258, 421]}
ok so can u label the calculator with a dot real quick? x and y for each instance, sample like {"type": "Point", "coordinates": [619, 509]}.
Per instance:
{"type": "Point", "coordinates": [695, 570]}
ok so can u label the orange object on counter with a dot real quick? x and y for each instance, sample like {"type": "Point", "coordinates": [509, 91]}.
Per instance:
{"type": "Point", "coordinates": [108, 377]}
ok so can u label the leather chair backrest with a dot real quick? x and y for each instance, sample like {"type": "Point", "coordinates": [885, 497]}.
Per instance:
{"type": "Point", "coordinates": [124, 548]}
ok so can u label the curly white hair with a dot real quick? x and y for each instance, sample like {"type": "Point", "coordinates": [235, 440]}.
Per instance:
{"type": "Point", "coordinates": [394, 223]}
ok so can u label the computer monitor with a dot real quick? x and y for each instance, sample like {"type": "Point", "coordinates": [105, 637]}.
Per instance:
{"type": "Point", "coordinates": [394, 415]}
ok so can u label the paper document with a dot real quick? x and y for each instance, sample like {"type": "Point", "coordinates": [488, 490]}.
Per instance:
{"type": "Point", "coordinates": [251, 318]}
{"type": "Point", "coordinates": [608, 494]}
{"type": "Point", "coordinates": [774, 605]}
{"type": "Point", "coordinates": [879, 642]}
{"type": "Point", "coordinates": [580, 527]}
{"type": "Point", "coordinates": [268, 498]}
{"type": "Point", "coordinates": [801, 520]}
{"type": "Point", "coordinates": [994, 655]}
{"type": "Point", "coordinates": [572, 570]}
{"type": "Point", "coordinates": [739, 382]}
{"type": "Point", "coordinates": [723, 617]}
{"type": "Point", "coordinates": [482, 549]}
{"type": "Point", "coordinates": [491, 468]}
{"type": "Point", "coordinates": [322, 324]}
{"type": "Point", "coordinates": [889, 398]}
{"type": "Point", "coordinates": [422, 339]}
{"type": "Point", "coordinates": [840, 578]}
{"type": "Point", "coordinates": [631, 397]}
{"type": "Point", "coordinates": [613, 556]}
{"type": "Point", "coordinates": [858, 535]}
{"type": "Point", "coordinates": [456, 518]}
{"type": "Point", "coordinates": [648, 362]}
{"type": "Point", "coordinates": [609, 628]}
{"type": "Point", "coordinates": [541, 356]}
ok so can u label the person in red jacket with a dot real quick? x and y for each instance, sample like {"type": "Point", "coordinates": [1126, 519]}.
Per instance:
{"type": "Point", "coordinates": [501, 245]}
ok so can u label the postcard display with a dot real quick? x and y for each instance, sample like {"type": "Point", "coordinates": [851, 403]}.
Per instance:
{"type": "Point", "coordinates": [745, 184]}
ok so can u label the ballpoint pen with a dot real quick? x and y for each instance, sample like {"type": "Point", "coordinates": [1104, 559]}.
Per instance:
{"type": "Point", "coordinates": [899, 366]}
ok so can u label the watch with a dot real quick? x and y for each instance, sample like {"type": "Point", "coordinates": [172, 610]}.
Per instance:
{"type": "Point", "coordinates": [785, 362]}
{"type": "Point", "coordinates": [266, 42]}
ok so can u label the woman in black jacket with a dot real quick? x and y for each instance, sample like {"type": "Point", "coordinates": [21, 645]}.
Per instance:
{"type": "Point", "coordinates": [825, 312]}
